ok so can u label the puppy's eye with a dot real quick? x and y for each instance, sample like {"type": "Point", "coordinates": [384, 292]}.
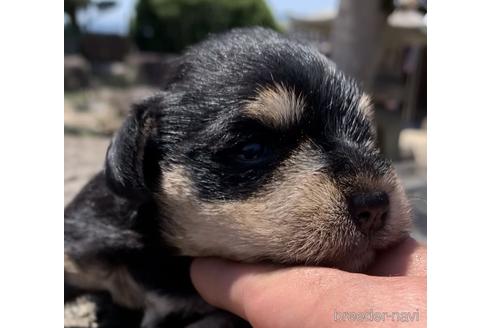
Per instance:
{"type": "Point", "coordinates": [253, 153]}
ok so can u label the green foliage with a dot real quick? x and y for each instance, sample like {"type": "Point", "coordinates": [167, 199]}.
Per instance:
{"type": "Point", "coordinates": [171, 25]}
{"type": "Point", "coordinates": [70, 7]}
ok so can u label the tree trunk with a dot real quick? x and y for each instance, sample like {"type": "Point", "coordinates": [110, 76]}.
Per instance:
{"type": "Point", "coordinates": [72, 13]}
{"type": "Point", "coordinates": [357, 38]}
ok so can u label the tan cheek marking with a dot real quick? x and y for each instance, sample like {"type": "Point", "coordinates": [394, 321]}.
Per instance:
{"type": "Point", "coordinates": [300, 217]}
{"type": "Point", "coordinates": [69, 265]}
{"type": "Point", "coordinates": [276, 106]}
{"type": "Point", "coordinates": [289, 221]}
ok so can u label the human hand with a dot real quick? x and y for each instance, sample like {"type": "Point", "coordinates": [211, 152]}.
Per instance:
{"type": "Point", "coordinates": [393, 291]}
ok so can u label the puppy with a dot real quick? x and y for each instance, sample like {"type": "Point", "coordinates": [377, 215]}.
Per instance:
{"type": "Point", "coordinates": [256, 150]}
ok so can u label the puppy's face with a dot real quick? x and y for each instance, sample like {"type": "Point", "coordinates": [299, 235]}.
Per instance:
{"type": "Point", "coordinates": [266, 153]}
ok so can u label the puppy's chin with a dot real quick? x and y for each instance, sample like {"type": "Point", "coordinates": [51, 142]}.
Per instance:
{"type": "Point", "coordinates": [357, 257]}
{"type": "Point", "coordinates": [360, 257]}
{"type": "Point", "coordinates": [356, 262]}
{"type": "Point", "coordinates": [359, 261]}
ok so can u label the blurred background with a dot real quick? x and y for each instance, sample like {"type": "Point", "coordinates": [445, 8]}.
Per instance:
{"type": "Point", "coordinates": [117, 52]}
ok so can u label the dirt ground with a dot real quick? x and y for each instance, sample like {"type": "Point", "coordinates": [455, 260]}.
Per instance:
{"type": "Point", "coordinates": [84, 157]}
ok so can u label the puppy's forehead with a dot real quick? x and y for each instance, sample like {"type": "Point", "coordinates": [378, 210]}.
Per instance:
{"type": "Point", "coordinates": [275, 80]}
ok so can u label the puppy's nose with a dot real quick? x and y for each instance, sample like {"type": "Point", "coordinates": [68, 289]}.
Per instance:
{"type": "Point", "coordinates": [369, 210]}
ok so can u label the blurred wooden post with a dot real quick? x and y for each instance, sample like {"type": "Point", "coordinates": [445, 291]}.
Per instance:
{"type": "Point", "coordinates": [369, 45]}
{"type": "Point", "coordinates": [357, 38]}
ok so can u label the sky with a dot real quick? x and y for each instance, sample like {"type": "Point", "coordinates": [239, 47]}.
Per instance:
{"type": "Point", "coordinates": [117, 20]}
{"type": "Point", "coordinates": [282, 8]}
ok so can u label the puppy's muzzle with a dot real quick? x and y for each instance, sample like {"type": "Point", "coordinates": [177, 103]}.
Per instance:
{"type": "Point", "coordinates": [369, 210]}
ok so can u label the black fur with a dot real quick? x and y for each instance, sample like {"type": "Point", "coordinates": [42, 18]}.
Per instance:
{"type": "Point", "coordinates": [194, 121]}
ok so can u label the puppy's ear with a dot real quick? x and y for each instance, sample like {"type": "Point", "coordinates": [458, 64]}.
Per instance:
{"type": "Point", "coordinates": [133, 152]}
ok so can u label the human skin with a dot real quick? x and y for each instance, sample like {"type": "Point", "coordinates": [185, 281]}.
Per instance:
{"type": "Point", "coordinates": [271, 296]}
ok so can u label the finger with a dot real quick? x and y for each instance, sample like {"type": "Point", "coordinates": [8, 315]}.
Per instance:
{"type": "Point", "coordinates": [283, 297]}
{"type": "Point", "coordinates": [224, 284]}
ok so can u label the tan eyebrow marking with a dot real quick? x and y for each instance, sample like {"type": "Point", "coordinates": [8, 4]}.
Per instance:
{"type": "Point", "coordinates": [276, 106]}
{"type": "Point", "coordinates": [365, 106]}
